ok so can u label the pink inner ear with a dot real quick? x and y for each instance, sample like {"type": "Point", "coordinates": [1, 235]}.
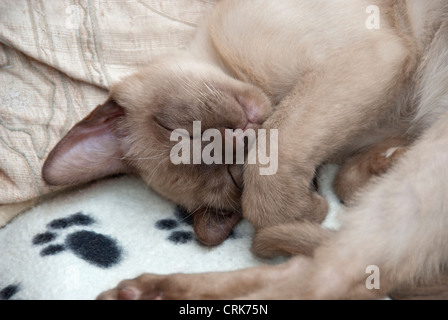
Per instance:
{"type": "Point", "coordinates": [91, 150]}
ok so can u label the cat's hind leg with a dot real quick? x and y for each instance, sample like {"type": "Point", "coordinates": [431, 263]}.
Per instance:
{"type": "Point", "coordinates": [357, 171]}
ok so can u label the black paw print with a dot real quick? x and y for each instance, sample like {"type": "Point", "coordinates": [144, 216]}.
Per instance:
{"type": "Point", "coordinates": [9, 291]}
{"type": "Point", "coordinates": [177, 235]}
{"type": "Point", "coordinates": [181, 217]}
{"type": "Point", "coordinates": [97, 249]}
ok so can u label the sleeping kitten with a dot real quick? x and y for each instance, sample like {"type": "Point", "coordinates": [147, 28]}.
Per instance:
{"type": "Point", "coordinates": [328, 84]}
{"type": "Point", "coordinates": [131, 132]}
{"type": "Point", "coordinates": [229, 81]}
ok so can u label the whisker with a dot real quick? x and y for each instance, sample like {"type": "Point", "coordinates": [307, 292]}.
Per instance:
{"type": "Point", "coordinates": [189, 215]}
{"type": "Point", "coordinates": [154, 172]}
{"type": "Point", "coordinates": [212, 91]}
{"type": "Point", "coordinates": [232, 203]}
{"type": "Point", "coordinates": [194, 91]}
{"type": "Point", "coordinates": [156, 157]}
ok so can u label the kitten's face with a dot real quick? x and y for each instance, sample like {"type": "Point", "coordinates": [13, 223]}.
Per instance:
{"type": "Point", "coordinates": [172, 96]}
{"type": "Point", "coordinates": [141, 114]}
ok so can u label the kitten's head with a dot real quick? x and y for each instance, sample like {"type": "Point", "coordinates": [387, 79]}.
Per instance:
{"type": "Point", "coordinates": [131, 132]}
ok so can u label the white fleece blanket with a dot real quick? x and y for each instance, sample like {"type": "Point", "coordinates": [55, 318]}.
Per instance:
{"type": "Point", "coordinates": [85, 241]}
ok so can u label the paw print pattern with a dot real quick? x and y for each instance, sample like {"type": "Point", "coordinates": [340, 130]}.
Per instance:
{"type": "Point", "coordinates": [178, 234]}
{"type": "Point", "coordinates": [176, 225]}
{"type": "Point", "coordinates": [94, 248]}
{"type": "Point", "coordinates": [9, 292]}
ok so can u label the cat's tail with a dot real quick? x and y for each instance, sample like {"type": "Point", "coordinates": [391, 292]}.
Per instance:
{"type": "Point", "coordinates": [295, 238]}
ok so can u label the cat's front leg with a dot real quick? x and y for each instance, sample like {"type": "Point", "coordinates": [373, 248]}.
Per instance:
{"type": "Point", "coordinates": [330, 106]}
{"type": "Point", "coordinates": [200, 286]}
{"type": "Point", "coordinates": [281, 197]}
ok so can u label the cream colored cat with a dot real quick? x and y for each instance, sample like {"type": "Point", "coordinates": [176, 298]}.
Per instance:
{"type": "Point", "coordinates": [334, 89]}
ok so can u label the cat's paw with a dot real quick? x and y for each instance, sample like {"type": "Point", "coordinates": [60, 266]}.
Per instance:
{"type": "Point", "coordinates": [126, 290]}
{"type": "Point", "coordinates": [152, 287]}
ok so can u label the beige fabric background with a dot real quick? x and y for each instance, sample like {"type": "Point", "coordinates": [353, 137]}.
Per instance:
{"type": "Point", "coordinates": [57, 60]}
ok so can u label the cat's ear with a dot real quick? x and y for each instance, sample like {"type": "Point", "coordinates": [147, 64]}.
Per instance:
{"type": "Point", "coordinates": [90, 150]}
{"type": "Point", "coordinates": [212, 227]}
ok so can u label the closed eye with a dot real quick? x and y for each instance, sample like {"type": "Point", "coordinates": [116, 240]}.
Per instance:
{"type": "Point", "coordinates": [157, 121]}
